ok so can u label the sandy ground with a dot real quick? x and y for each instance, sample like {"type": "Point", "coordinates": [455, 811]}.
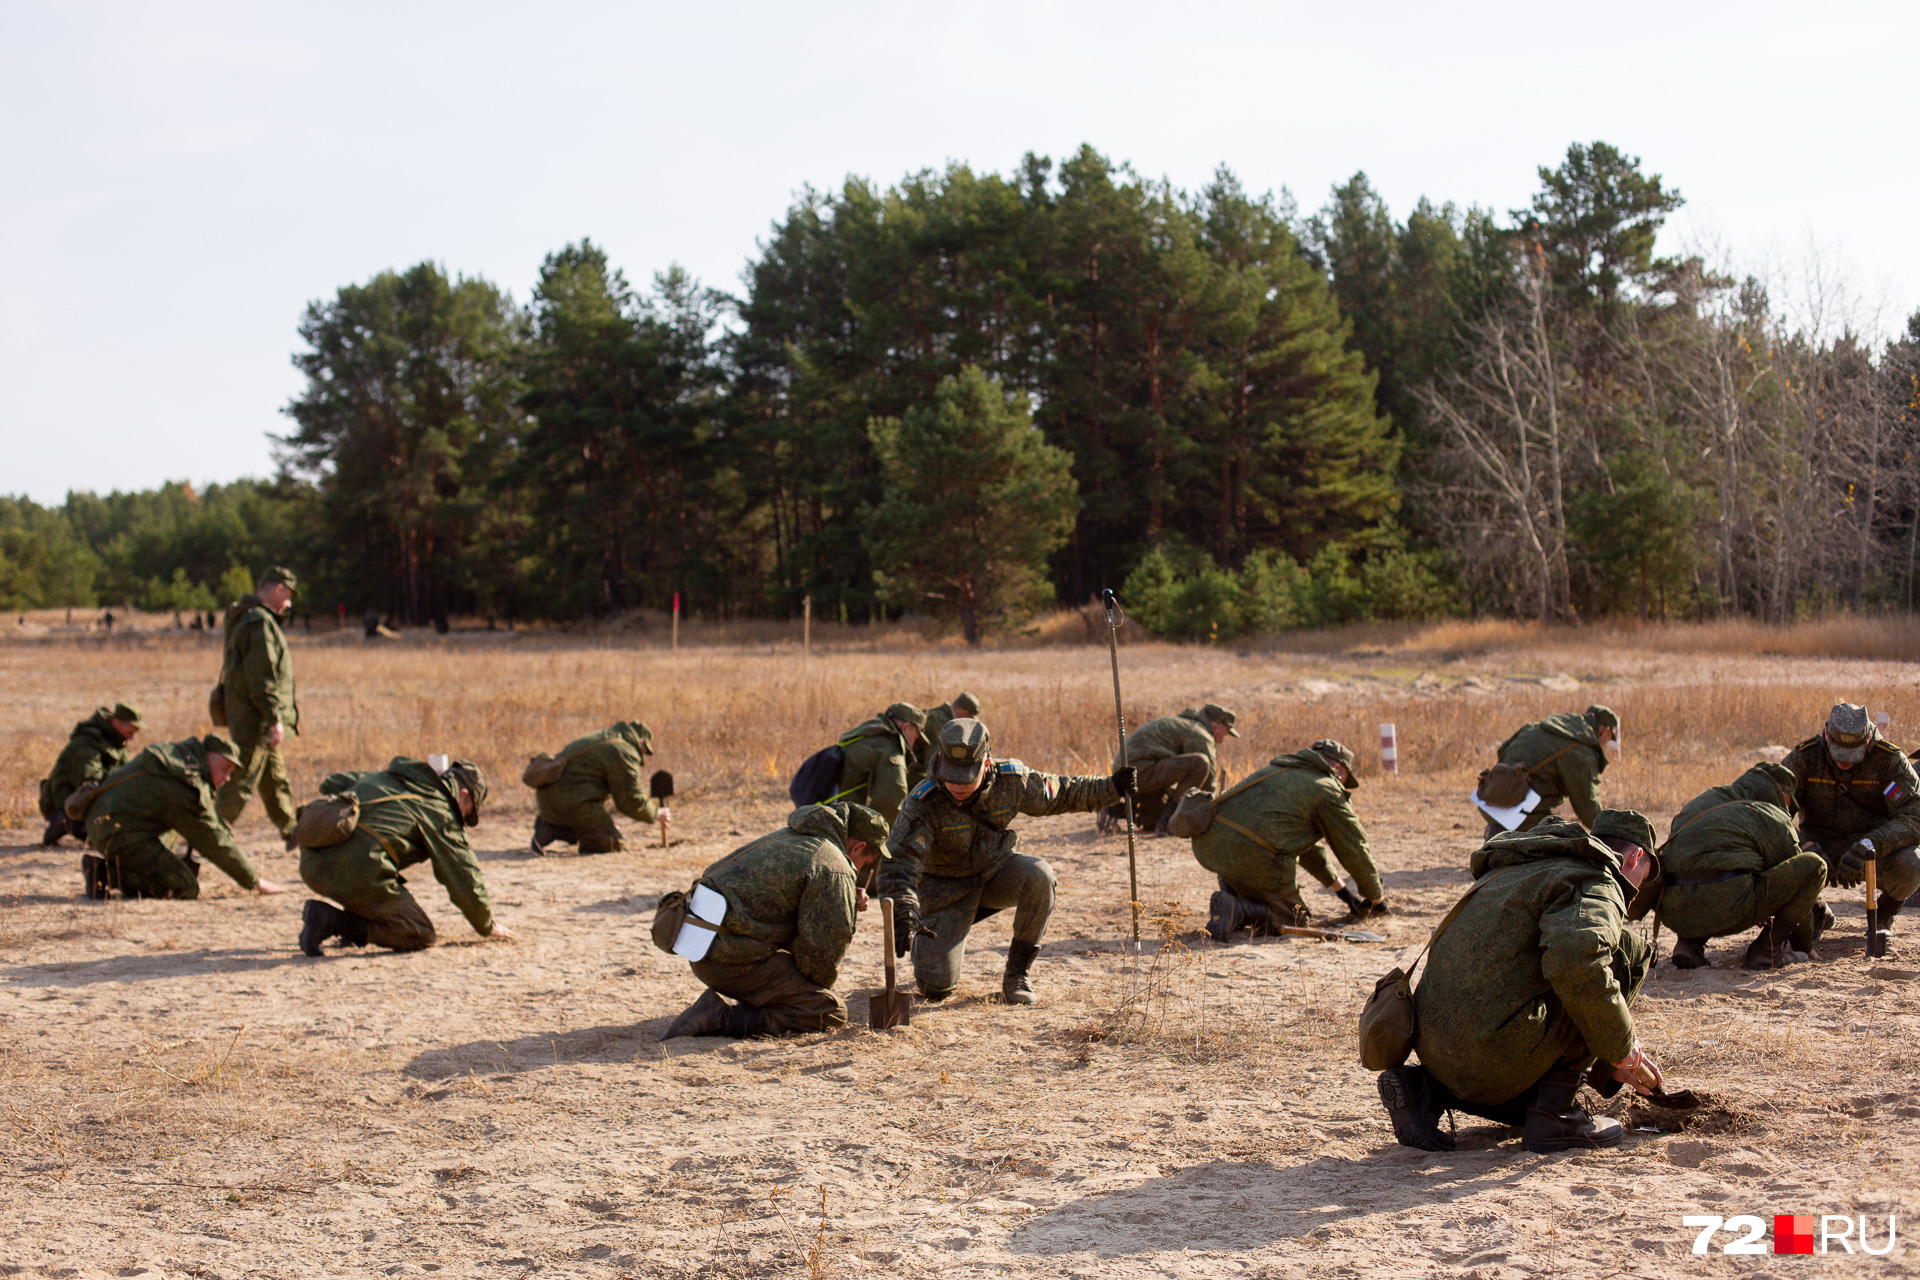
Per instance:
{"type": "Point", "coordinates": [186, 1095]}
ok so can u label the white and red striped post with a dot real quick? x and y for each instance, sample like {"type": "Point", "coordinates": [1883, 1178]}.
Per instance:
{"type": "Point", "coordinates": [1389, 750]}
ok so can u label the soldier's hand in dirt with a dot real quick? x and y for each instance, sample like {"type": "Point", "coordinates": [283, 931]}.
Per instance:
{"type": "Point", "coordinates": [276, 734]}
{"type": "Point", "coordinates": [500, 933]}
{"type": "Point", "coordinates": [1123, 780]}
{"type": "Point", "coordinates": [1627, 1071]}
{"type": "Point", "coordinates": [1852, 868]}
{"type": "Point", "coordinates": [266, 887]}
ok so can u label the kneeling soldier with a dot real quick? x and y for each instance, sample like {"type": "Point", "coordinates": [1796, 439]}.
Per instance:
{"type": "Point", "coordinates": [1172, 755]}
{"type": "Point", "coordinates": [168, 787]}
{"type": "Point", "coordinates": [601, 766]}
{"type": "Point", "coordinates": [1274, 820]}
{"type": "Point", "coordinates": [96, 748]}
{"type": "Point", "coordinates": [791, 904]}
{"type": "Point", "coordinates": [1732, 862]}
{"type": "Point", "coordinates": [1856, 796]}
{"type": "Point", "coordinates": [409, 814]}
{"type": "Point", "coordinates": [1529, 984]}
{"type": "Point", "coordinates": [953, 861]}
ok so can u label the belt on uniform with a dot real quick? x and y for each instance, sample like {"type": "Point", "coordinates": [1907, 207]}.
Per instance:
{"type": "Point", "coordinates": [1722, 877]}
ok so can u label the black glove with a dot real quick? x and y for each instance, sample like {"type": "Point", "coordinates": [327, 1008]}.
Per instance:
{"type": "Point", "coordinates": [1356, 905]}
{"type": "Point", "coordinates": [1852, 868]}
{"type": "Point", "coordinates": [906, 923]}
{"type": "Point", "coordinates": [1123, 779]}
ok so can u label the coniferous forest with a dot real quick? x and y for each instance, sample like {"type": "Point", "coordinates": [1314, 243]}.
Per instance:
{"type": "Point", "coordinates": [975, 394]}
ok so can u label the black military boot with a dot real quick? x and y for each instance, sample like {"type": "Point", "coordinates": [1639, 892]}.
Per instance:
{"type": "Point", "coordinates": [1225, 913]}
{"type": "Point", "coordinates": [56, 829]}
{"type": "Point", "coordinates": [322, 921]}
{"type": "Point", "coordinates": [1555, 1122]}
{"type": "Point", "coordinates": [1770, 950]}
{"type": "Point", "coordinates": [1407, 1095]}
{"type": "Point", "coordinates": [352, 929]}
{"type": "Point", "coordinates": [704, 1017]}
{"type": "Point", "coordinates": [93, 871]}
{"type": "Point", "coordinates": [1691, 953]}
{"type": "Point", "coordinates": [1111, 819]}
{"type": "Point", "coordinates": [1015, 987]}
{"type": "Point", "coordinates": [1888, 907]}
{"type": "Point", "coordinates": [1260, 917]}
{"type": "Point", "coordinates": [743, 1021]}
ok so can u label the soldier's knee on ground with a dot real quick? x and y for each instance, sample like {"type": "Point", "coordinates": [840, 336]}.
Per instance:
{"type": "Point", "coordinates": [603, 840]}
{"type": "Point", "coordinates": [1899, 872]}
{"type": "Point", "coordinates": [397, 926]}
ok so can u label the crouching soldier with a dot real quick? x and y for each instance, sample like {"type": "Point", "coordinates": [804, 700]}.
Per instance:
{"type": "Point", "coordinates": [876, 751]}
{"type": "Point", "coordinates": [96, 748]}
{"type": "Point", "coordinates": [606, 765]}
{"type": "Point", "coordinates": [1274, 821]}
{"type": "Point", "coordinates": [1731, 862]}
{"type": "Point", "coordinates": [791, 909]}
{"type": "Point", "coordinates": [1564, 756]}
{"type": "Point", "coordinates": [168, 787]}
{"type": "Point", "coordinates": [1856, 796]}
{"type": "Point", "coordinates": [408, 814]}
{"type": "Point", "coordinates": [1528, 981]}
{"type": "Point", "coordinates": [1172, 755]}
{"type": "Point", "coordinates": [964, 704]}
{"type": "Point", "coordinates": [953, 862]}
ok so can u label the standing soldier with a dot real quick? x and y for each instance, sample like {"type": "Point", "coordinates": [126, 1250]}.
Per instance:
{"type": "Point", "coordinates": [874, 772]}
{"type": "Point", "coordinates": [790, 916]}
{"type": "Point", "coordinates": [963, 705]}
{"type": "Point", "coordinates": [953, 862]}
{"type": "Point", "coordinates": [164, 788]}
{"type": "Point", "coordinates": [1731, 862]}
{"type": "Point", "coordinates": [408, 814]}
{"type": "Point", "coordinates": [1528, 983]}
{"type": "Point", "coordinates": [96, 748]}
{"type": "Point", "coordinates": [1564, 756]}
{"type": "Point", "coordinates": [606, 765]}
{"type": "Point", "coordinates": [1275, 820]}
{"type": "Point", "coordinates": [1855, 791]}
{"type": "Point", "coordinates": [1172, 754]}
{"type": "Point", "coordinates": [257, 677]}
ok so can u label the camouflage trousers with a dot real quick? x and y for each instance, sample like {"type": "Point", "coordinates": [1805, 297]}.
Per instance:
{"type": "Point", "coordinates": [140, 865]}
{"type": "Point", "coordinates": [395, 919]}
{"type": "Point", "coordinates": [1023, 882]}
{"type": "Point", "coordinates": [787, 999]}
{"type": "Point", "coordinates": [1727, 907]}
{"type": "Point", "coordinates": [604, 838]}
{"type": "Point", "coordinates": [261, 768]}
{"type": "Point", "coordinates": [1161, 783]}
{"type": "Point", "coordinates": [1897, 872]}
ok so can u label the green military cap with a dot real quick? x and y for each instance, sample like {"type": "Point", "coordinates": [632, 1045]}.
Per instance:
{"type": "Point", "coordinates": [1603, 717]}
{"type": "Point", "coordinates": [216, 745]}
{"type": "Point", "coordinates": [1329, 750]}
{"type": "Point", "coordinates": [1220, 715]}
{"type": "Point", "coordinates": [966, 704]}
{"type": "Point", "coordinates": [1626, 824]}
{"type": "Point", "coordinates": [1778, 774]}
{"type": "Point", "coordinates": [961, 752]}
{"type": "Point", "coordinates": [279, 573]}
{"type": "Point", "coordinates": [121, 711]}
{"type": "Point", "coordinates": [1849, 733]}
{"type": "Point", "coordinates": [465, 773]}
{"type": "Point", "coordinates": [863, 824]}
{"type": "Point", "coordinates": [908, 712]}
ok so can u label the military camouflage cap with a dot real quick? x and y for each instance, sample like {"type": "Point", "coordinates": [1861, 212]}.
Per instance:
{"type": "Point", "coordinates": [1626, 824]}
{"type": "Point", "coordinates": [908, 712]}
{"type": "Point", "coordinates": [465, 773]}
{"type": "Point", "coordinates": [278, 573]}
{"type": "Point", "coordinates": [1849, 733]}
{"type": "Point", "coordinates": [121, 711]}
{"type": "Point", "coordinates": [217, 745]}
{"type": "Point", "coordinates": [862, 824]}
{"type": "Point", "coordinates": [1778, 774]}
{"type": "Point", "coordinates": [1219, 715]}
{"type": "Point", "coordinates": [1603, 717]}
{"type": "Point", "coordinates": [1329, 750]}
{"type": "Point", "coordinates": [961, 751]}
{"type": "Point", "coordinates": [966, 704]}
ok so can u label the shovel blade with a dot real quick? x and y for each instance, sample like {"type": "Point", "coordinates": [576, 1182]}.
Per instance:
{"type": "Point", "coordinates": [1679, 1100]}
{"type": "Point", "coordinates": [889, 1009]}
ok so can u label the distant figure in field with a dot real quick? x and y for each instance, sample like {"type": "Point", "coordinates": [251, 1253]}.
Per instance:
{"type": "Point", "coordinates": [874, 772]}
{"type": "Point", "coordinates": [607, 765]}
{"type": "Point", "coordinates": [97, 746]}
{"type": "Point", "coordinates": [1564, 756]}
{"type": "Point", "coordinates": [256, 676]}
{"type": "Point", "coordinates": [1173, 754]}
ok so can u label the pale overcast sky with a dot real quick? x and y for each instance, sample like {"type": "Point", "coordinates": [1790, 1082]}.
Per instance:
{"type": "Point", "coordinates": [178, 180]}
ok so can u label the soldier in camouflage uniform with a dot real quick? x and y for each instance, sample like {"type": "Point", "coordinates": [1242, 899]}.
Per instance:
{"type": "Point", "coordinates": [1274, 821]}
{"type": "Point", "coordinates": [954, 862]}
{"type": "Point", "coordinates": [1173, 755]}
{"type": "Point", "coordinates": [1731, 862]}
{"type": "Point", "coordinates": [610, 764]}
{"type": "Point", "coordinates": [96, 748]}
{"type": "Point", "coordinates": [1530, 984]}
{"type": "Point", "coordinates": [1564, 756]}
{"type": "Point", "coordinates": [791, 910]}
{"type": "Point", "coordinates": [874, 772]}
{"type": "Point", "coordinates": [167, 787]}
{"type": "Point", "coordinates": [257, 674]}
{"type": "Point", "coordinates": [1855, 791]}
{"type": "Point", "coordinates": [409, 814]}
{"type": "Point", "coordinates": [964, 705]}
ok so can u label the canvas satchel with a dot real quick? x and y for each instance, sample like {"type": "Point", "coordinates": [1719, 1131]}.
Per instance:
{"type": "Point", "coordinates": [1387, 1024]}
{"type": "Point", "coordinates": [544, 770]}
{"type": "Point", "coordinates": [324, 822]}
{"type": "Point", "coordinates": [1194, 814]}
{"type": "Point", "coordinates": [1506, 785]}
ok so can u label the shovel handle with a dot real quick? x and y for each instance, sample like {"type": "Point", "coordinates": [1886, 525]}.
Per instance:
{"type": "Point", "coordinates": [886, 939]}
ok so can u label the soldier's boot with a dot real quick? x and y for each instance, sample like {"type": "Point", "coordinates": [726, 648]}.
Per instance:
{"type": "Point", "coordinates": [1015, 986]}
{"type": "Point", "coordinates": [1691, 953]}
{"type": "Point", "coordinates": [56, 828]}
{"type": "Point", "coordinates": [1259, 917]}
{"type": "Point", "coordinates": [744, 1021]}
{"type": "Point", "coordinates": [1408, 1097]}
{"type": "Point", "coordinates": [934, 995]}
{"type": "Point", "coordinates": [1888, 907]}
{"type": "Point", "coordinates": [1771, 949]}
{"type": "Point", "coordinates": [706, 1016]}
{"type": "Point", "coordinates": [93, 871]}
{"type": "Point", "coordinates": [321, 922]}
{"type": "Point", "coordinates": [1808, 932]}
{"type": "Point", "coordinates": [1166, 820]}
{"type": "Point", "coordinates": [1111, 818]}
{"type": "Point", "coordinates": [544, 834]}
{"type": "Point", "coordinates": [1555, 1122]}
{"type": "Point", "coordinates": [1225, 913]}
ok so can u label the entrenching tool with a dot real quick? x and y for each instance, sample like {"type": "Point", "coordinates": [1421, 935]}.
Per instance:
{"type": "Point", "coordinates": [1344, 935]}
{"type": "Point", "coordinates": [660, 788]}
{"type": "Point", "coordinates": [1679, 1100]}
{"type": "Point", "coordinates": [1114, 618]}
{"type": "Point", "coordinates": [1876, 936]}
{"type": "Point", "coordinates": [889, 1008]}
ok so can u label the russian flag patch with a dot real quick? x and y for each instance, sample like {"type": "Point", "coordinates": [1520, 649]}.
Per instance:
{"type": "Point", "coordinates": [1893, 789]}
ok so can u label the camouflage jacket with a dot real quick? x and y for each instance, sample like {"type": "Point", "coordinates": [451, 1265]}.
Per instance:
{"type": "Point", "coordinates": [1181, 735]}
{"type": "Point", "coordinates": [793, 891]}
{"type": "Point", "coordinates": [959, 844]}
{"type": "Point", "coordinates": [1577, 761]}
{"type": "Point", "coordinates": [95, 750]}
{"type": "Point", "coordinates": [875, 770]}
{"type": "Point", "coordinates": [1293, 804]}
{"type": "Point", "coordinates": [409, 815]}
{"type": "Point", "coordinates": [610, 763]}
{"type": "Point", "coordinates": [1873, 799]}
{"type": "Point", "coordinates": [1738, 827]}
{"type": "Point", "coordinates": [257, 671]}
{"type": "Point", "coordinates": [167, 788]}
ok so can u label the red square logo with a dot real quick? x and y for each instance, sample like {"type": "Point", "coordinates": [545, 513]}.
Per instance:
{"type": "Point", "coordinates": [1793, 1233]}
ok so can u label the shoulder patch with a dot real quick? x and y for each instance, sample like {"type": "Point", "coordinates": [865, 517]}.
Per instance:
{"type": "Point", "coordinates": [1884, 745]}
{"type": "Point", "coordinates": [1010, 766]}
{"type": "Point", "coordinates": [1809, 744]}
{"type": "Point", "coordinates": [926, 788]}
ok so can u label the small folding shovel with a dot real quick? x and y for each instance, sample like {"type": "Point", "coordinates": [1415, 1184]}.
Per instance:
{"type": "Point", "coordinates": [1679, 1100]}
{"type": "Point", "coordinates": [1876, 936]}
{"type": "Point", "coordinates": [1344, 935]}
{"type": "Point", "coordinates": [889, 1008]}
{"type": "Point", "coordinates": [660, 788]}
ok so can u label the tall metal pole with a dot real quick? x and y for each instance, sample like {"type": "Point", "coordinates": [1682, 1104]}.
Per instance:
{"type": "Point", "coordinates": [1120, 715]}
